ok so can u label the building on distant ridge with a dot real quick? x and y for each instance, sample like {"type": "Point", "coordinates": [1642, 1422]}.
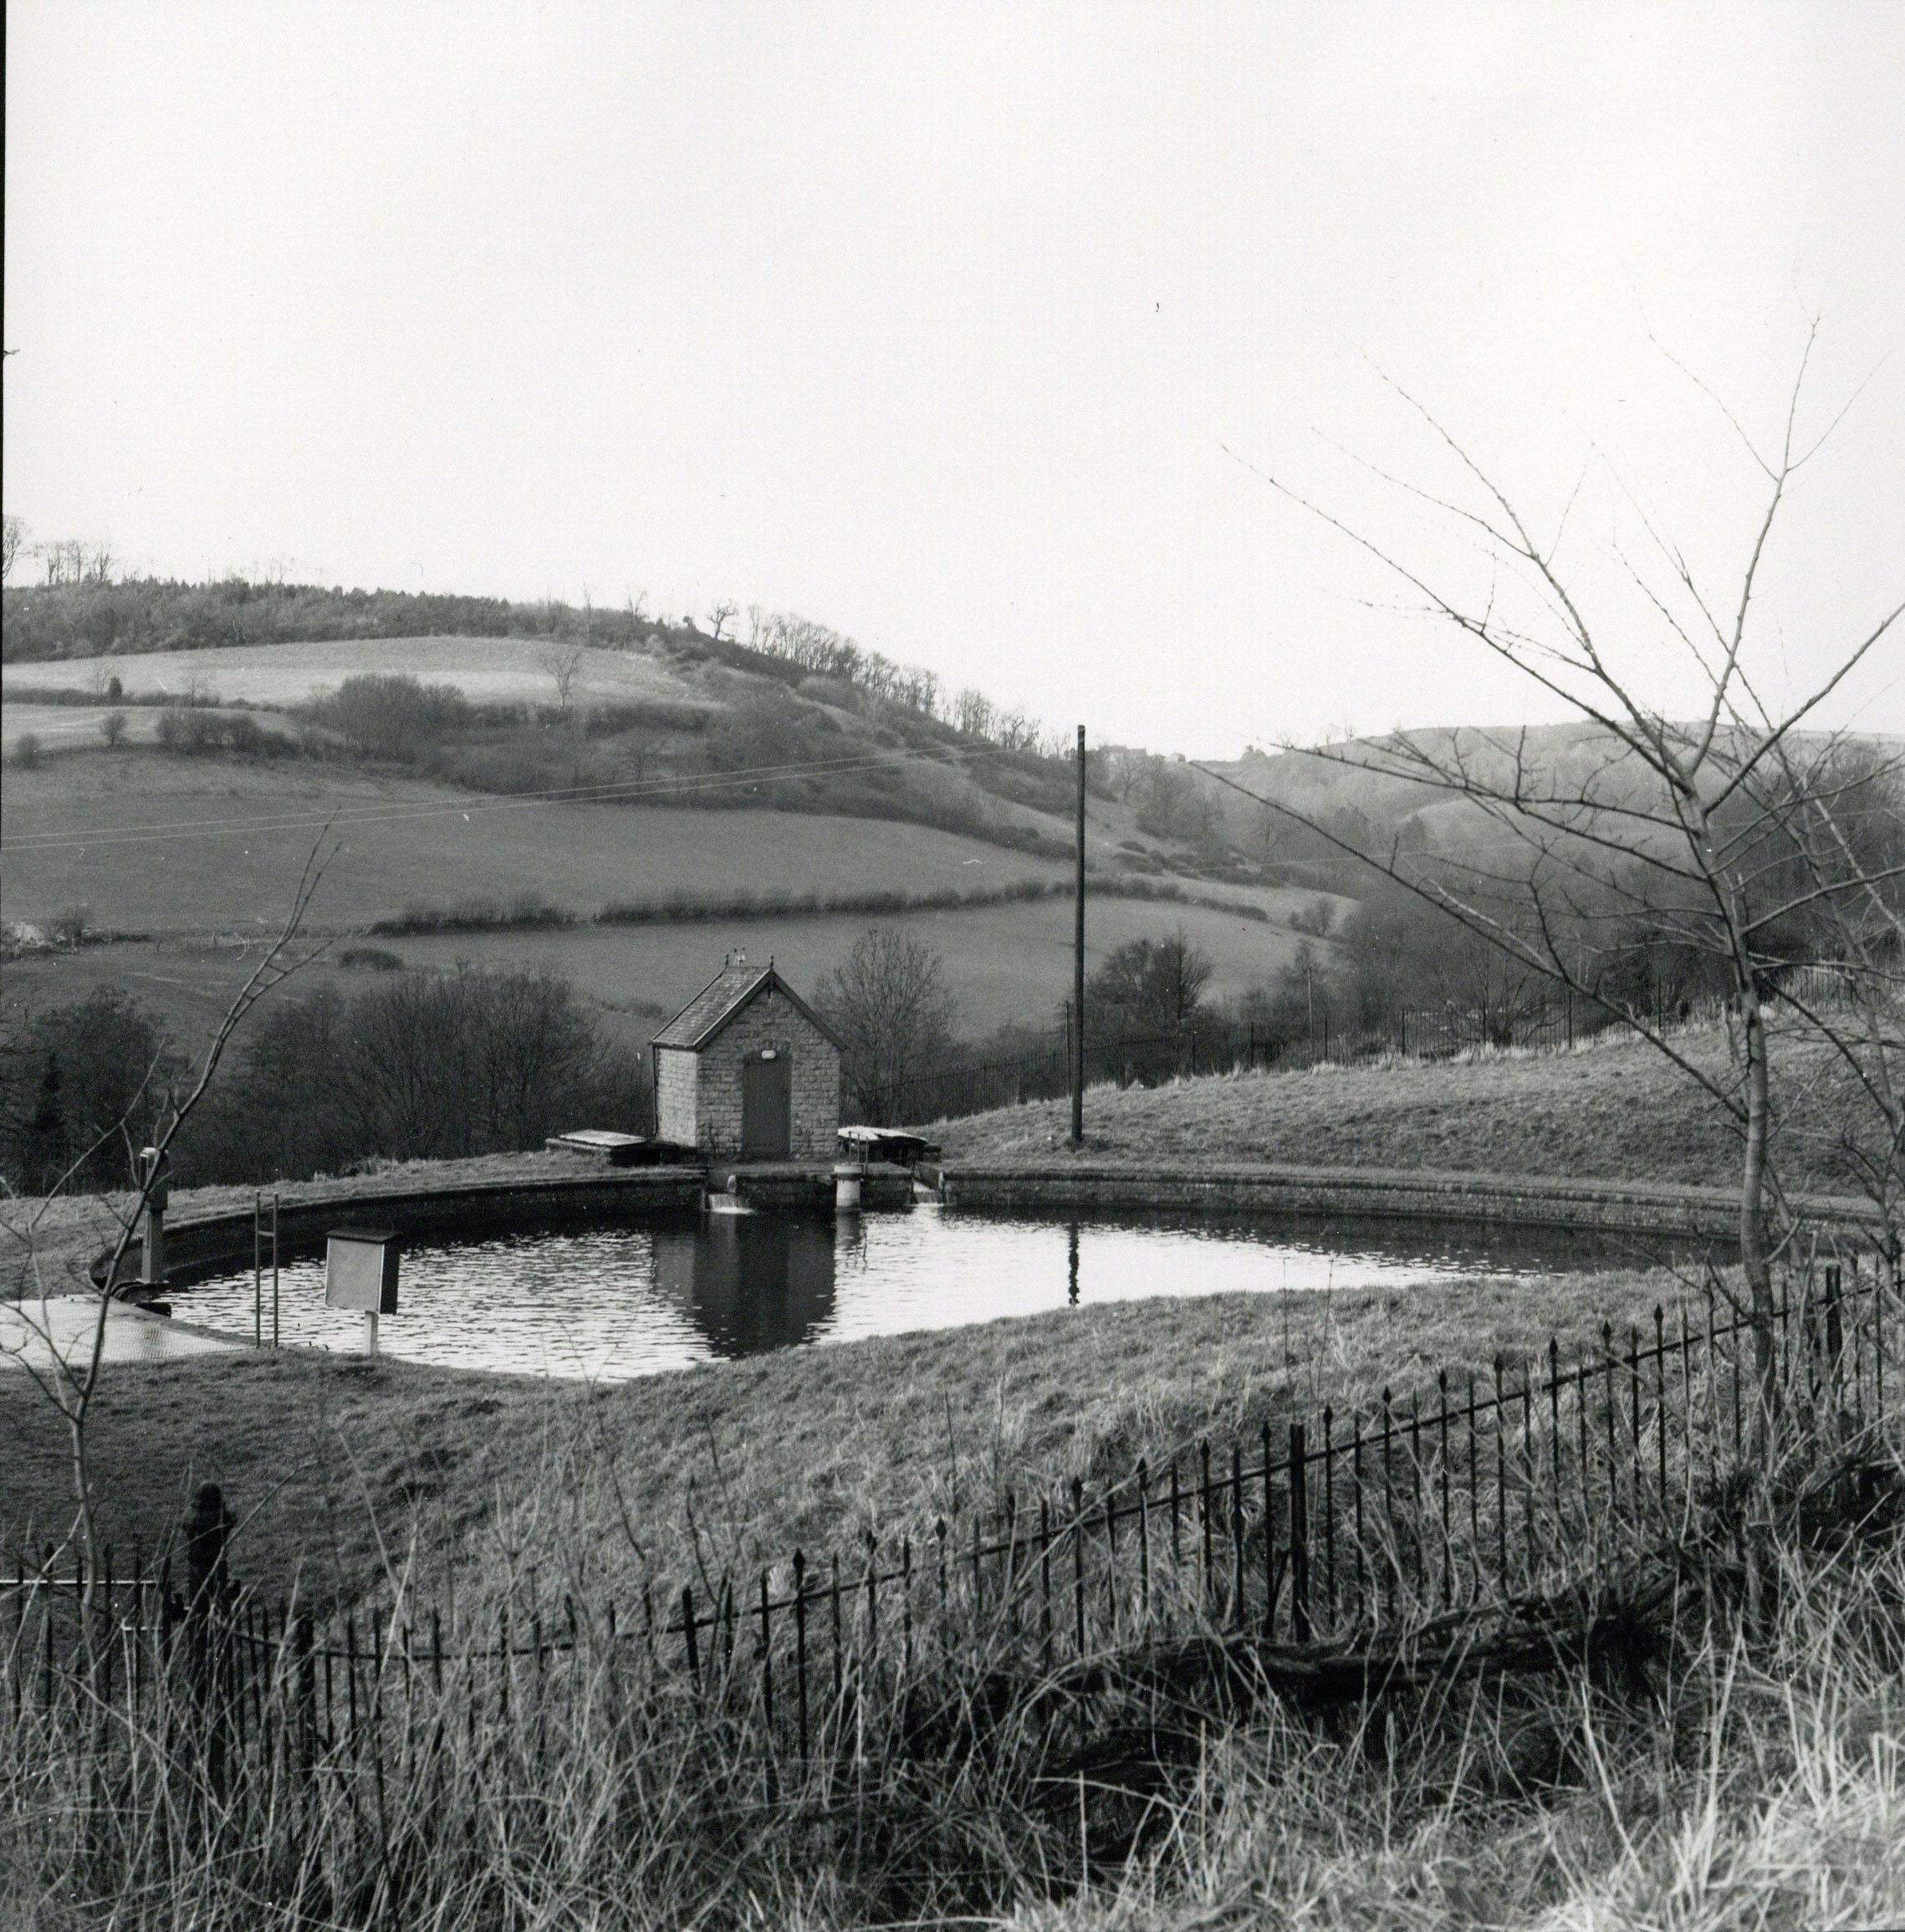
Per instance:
{"type": "Point", "coordinates": [748, 1070]}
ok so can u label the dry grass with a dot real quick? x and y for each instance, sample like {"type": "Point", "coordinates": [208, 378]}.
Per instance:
{"type": "Point", "coordinates": [1763, 1789]}
{"type": "Point", "coordinates": [346, 1471]}
{"type": "Point", "coordinates": [1725, 1782]}
{"type": "Point", "coordinates": [1613, 1110]}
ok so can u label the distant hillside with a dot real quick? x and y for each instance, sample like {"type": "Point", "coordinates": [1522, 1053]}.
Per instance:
{"type": "Point", "coordinates": [541, 698]}
{"type": "Point", "coordinates": [1371, 807]}
{"type": "Point", "coordinates": [1327, 787]}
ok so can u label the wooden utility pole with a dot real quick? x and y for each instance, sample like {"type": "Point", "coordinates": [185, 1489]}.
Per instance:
{"type": "Point", "coordinates": [1078, 969]}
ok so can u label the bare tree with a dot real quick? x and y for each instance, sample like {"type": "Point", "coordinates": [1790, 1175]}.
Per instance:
{"type": "Point", "coordinates": [14, 544]}
{"type": "Point", "coordinates": [1726, 833]}
{"type": "Point", "coordinates": [69, 1378]}
{"type": "Point", "coordinates": [888, 998]}
{"type": "Point", "coordinates": [973, 713]}
{"type": "Point", "coordinates": [563, 658]}
{"type": "Point", "coordinates": [721, 616]}
{"type": "Point", "coordinates": [1151, 987]}
{"type": "Point", "coordinates": [63, 560]}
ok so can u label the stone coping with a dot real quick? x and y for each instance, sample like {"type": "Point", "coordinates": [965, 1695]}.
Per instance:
{"type": "Point", "coordinates": [214, 1243]}
{"type": "Point", "coordinates": [217, 1242]}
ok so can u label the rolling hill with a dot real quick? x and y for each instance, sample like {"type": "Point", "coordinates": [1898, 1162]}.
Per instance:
{"type": "Point", "coordinates": [186, 860]}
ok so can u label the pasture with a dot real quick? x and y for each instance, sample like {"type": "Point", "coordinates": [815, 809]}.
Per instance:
{"type": "Point", "coordinates": [69, 727]}
{"type": "Point", "coordinates": [173, 846]}
{"type": "Point", "coordinates": [488, 670]}
{"type": "Point", "coordinates": [1003, 963]}
{"type": "Point", "coordinates": [196, 856]}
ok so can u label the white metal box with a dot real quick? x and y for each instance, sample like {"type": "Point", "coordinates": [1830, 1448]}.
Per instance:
{"type": "Point", "coordinates": [360, 1270]}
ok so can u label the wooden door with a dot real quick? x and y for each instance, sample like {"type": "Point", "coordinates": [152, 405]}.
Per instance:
{"type": "Point", "coordinates": [767, 1108]}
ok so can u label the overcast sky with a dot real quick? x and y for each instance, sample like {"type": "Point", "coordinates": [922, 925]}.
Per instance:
{"type": "Point", "coordinates": [968, 330]}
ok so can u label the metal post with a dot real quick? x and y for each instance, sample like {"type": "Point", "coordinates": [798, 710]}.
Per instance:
{"type": "Point", "coordinates": [1078, 969]}
{"type": "Point", "coordinates": [207, 1528]}
{"type": "Point", "coordinates": [155, 1175]}
{"type": "Point", "coordinates": [369, 1331]}
{"type": "Point", "coordinates": [274, 1271]}
{"type": "Point", "coordinates": [257, 1270]}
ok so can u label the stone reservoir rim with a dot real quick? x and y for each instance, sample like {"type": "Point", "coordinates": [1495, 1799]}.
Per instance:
{"type": "Point", "coordinates": [220, 1243]}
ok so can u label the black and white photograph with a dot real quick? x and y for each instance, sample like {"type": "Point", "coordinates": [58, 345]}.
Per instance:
{"type": "Point", "coordinates": [953, 966]}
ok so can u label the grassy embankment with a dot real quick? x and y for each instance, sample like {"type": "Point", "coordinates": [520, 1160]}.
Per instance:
{"type": "Point", "coordinates": [819, 1444]}
{"type": "Point", "coordinates": [1766, 1789]}
{"type": "Point", "coordinates": [1612, 1110]}
{"type": "Point", "coordinates": [342, 1468]}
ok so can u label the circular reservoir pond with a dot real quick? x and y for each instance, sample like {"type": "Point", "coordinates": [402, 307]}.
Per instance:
{"type": "Point", "coordinates": [611, 1303]}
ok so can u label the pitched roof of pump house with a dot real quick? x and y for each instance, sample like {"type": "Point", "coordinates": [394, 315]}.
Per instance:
{"type": "Point", "coordinates": [731, 990]}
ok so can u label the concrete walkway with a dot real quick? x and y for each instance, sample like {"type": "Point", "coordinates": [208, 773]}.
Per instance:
{"type": "Point", "coordinates": [31, 1332]}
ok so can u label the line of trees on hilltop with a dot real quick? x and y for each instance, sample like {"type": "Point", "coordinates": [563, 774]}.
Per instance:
{"type": "Point", "coordinates": [98, 614]}
{"type": "Point", "coordinates": [87, 605]}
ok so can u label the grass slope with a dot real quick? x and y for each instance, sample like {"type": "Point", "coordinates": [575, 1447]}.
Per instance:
{"type": "Point", "coordinates": [1614, 1110]}
{"type": "Point", "coordinates": [68, 727]}
{"type": "Point", "coordinates": [1009, 962]}
{"type": "Point", "coordinates": [227, 869]}
{"type": "Point", "coordinates": [342, 1468]}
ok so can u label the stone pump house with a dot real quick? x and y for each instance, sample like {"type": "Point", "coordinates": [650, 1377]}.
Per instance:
{"type": "Point", "coordinates": [748, 1070]}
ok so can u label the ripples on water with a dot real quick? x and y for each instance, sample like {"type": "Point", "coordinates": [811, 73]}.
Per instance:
{"type": "Point", "coordinates": [613, 1302]}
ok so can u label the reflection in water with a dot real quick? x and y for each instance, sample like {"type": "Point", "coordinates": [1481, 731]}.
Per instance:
{"type": "Point", "coordinates": [749, 1282]}
{"type": "Point", "coordinates": [612, 1301]}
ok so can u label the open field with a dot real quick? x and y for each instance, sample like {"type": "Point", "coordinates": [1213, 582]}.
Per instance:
{"type": "Point", "coordinates": [170, 845]}
{"type": "Point", "coordinates": [244, 830]}
{"type": "Point", "coordinates": [338, 1465]}
{"type": "Point", "coordinates": [1009, 962]}
{"type": "Point", "coordinates": [69, 727]}
{"type": "Point", "coordinates": [1612, 1110]}
{"type": "Point", "coordinates": [488, 670]}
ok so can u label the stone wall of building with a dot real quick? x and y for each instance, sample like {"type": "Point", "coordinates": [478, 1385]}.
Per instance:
{"type": "Point", "coordinates": [675, 1096]}
{"type": "Point", "coordinates": [771, 1019]}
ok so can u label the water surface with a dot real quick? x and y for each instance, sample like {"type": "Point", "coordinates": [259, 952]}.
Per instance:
{"type": "Point", "coordinates": [612, 1301]}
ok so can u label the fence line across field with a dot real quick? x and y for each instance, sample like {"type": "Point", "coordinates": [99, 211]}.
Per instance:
{"type": "Point", "coordinates": [1466, 1498]}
